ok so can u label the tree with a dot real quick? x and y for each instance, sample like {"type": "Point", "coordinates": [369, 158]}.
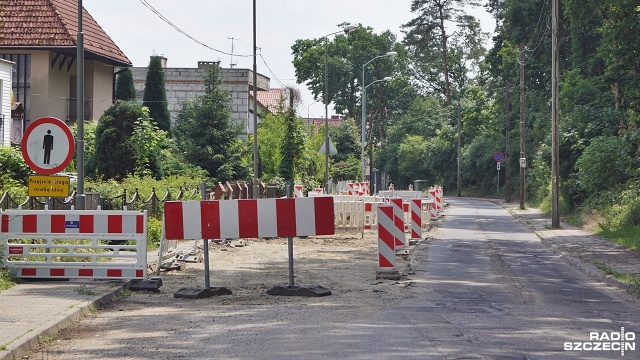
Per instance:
{"type": "Point", "coordinates": [205, 132]}
{"type": "Point", "coordinates": [147, 142]}
{"type": "Point", "coordinates": [114, 156]}
{"type": "Point", "coordinates": [125, 90]}
{"type": "Point", "coordinates": [292, 147]}
{"type": "Point", "coordinates": [346, 55]}
{"type": "Point", "coordinates": [428, 38]}
{"type": "Point", "coordinates": [155, 95]}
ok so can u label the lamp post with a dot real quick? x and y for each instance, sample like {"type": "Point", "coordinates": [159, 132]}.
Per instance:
{"type": "Point", "coordinates": [364, 103]}
{"type": "Point", "coordinates": [347, 30]}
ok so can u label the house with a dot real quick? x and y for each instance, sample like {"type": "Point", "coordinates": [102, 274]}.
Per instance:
{"type": "Point", "coordinates": [6, 70]}
{"type": "Point", "coordinates": [274, 100]}
{"type": "Point", "coordinates": [39, 37]}
{"type": "Point", "coordinates": [183, 83]}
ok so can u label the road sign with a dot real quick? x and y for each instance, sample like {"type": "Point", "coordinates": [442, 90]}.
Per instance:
{"type": "Point", "coordinates": [47, 145]}
{"type": "Point", "coordinates": [50, 186]}
{"type": "Point", "coordinates": [497, 156]}
{"type": "Point", "coordinates": [498, 166]}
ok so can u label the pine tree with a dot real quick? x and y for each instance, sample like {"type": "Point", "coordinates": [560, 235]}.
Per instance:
{"type": "Point", "coordinates": [155, 95]}
{"type": "Point", "coordinates": [205, 132]}
{"type": "Point", "coordinates": [125, 90]}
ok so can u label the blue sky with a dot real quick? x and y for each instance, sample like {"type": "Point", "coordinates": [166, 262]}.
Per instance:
{"type": "Point", "coordinates": [141, 33]}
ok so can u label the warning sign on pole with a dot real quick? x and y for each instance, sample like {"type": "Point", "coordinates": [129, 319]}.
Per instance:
{"type": "Point", "coordinates": [47, 145]}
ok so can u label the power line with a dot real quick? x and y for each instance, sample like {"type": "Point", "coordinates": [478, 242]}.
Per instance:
{"type": "Point", "coordinates": [163, 18]}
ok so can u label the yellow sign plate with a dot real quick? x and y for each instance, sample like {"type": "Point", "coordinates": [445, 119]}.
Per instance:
{"type": "Point", "coordinates": [52, 186]}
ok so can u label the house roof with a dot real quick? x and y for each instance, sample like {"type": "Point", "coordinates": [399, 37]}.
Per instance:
{"type": "Point", "coordinates": [274, 99]}
{"type": "Point", "coordinates": [53, 25]}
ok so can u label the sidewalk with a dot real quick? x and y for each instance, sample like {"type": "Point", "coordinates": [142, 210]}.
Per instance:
{"type": "Point", "coordinates": [589, 253]}
{"type": "Point", "coordinates": [32, 312]}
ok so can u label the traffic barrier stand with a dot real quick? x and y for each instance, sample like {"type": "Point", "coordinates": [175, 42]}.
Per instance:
{"type": "Point", "coordinates": [398, 220]}
{"type": "Point", "coordinates": [386, 243]}
{"type": "Point", "coordinates": [416, 221]}
{"type": "Point", "coordinates": [298, 191]}
{"type": "Point", "coordinates": [249, 218]}
{"type": "Point", "coordinates": [434, 204]}
{"type": "Point", "coordinates": [82, 244]}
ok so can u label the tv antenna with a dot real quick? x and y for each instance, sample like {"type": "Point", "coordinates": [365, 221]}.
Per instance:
{"type": "Point", "coordinates": [232, 40]}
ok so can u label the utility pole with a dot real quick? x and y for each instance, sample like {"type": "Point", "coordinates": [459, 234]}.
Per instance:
{"type": "Point", "coordinates": [459, 150]}
{"type": "Point", "coordinates": [507, 107]}
{"type": "Point", "coordinates": [522, 135]}
{"type": "Point", "coordinates": [555, 152]}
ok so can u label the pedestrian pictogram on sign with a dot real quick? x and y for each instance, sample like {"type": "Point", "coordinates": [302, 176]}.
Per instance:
{"type": "Point", "coordinates": [47, 145]}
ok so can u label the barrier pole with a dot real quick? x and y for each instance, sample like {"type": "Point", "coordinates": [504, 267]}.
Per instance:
{"type": "Point", "coordinates": [290, 245]}
{"type": "Point", "coordinates": [207, 284]}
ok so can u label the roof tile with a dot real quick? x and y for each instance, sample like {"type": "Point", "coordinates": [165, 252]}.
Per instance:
{"type": "Point", "coordinates": [54, 23]}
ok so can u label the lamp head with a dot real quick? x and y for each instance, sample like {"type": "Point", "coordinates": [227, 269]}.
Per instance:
{"type": "Point", "coordinates": [387, 78]}
{"type": "Point", "coordinates": [392, 54]}
{"type": "Point", "coordinates": [348, 29]}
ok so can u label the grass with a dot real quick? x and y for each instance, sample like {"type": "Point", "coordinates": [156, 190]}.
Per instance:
{"type": "Point", "coordinates": [627, 236]}
{"type": "Point", "coordinates": [84, 290]}
{"type": "Point", "coordinates": [633, 281]}
{"type": "Point", "coordinates": [7, 279]}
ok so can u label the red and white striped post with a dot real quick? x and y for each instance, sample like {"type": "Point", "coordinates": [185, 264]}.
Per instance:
{"type": "Point", "coordinates": [386, 243]}
{"type": "Point", "coordinates": [398, 220]}
{"type": "Point", "coordinates": [297, 191]}
{"type": "Point", "coordinates": [416, 221]}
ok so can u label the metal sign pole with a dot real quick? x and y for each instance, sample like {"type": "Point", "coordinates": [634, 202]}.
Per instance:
{"type": "Point", "coordinates": [205, 248]}
{"type": "Point", "coordinates": [290, 245]}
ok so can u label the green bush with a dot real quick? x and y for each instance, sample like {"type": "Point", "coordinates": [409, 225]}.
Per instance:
{"type": "Point", "coordinates": [154, 233]}
{"type": "Point", "coordinates": [13, 168]}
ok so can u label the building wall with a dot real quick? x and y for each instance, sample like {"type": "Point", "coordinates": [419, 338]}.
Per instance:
{"type": "Point", "coordinates": [57, 93]}
{"type": "Point", "coordinates": [6, 68]}
{"type": "Point", "coordinates": [98, 89]}
{"type": "Point", "coordinates": [184, 83]}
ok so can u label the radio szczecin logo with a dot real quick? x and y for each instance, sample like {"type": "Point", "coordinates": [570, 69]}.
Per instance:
{"type": "Point", "coordinates": [605, 341]}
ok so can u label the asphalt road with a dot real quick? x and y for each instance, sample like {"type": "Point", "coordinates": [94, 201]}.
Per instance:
{"type": "Point", "coordinates": [484, 287]}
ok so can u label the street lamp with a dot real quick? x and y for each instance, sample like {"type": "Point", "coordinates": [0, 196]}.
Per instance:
{"type": "Point", "coordinates": [347, 30]}
{"type": "Point", "coordinates": [364, 102]}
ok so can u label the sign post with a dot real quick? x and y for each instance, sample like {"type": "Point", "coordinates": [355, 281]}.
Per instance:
{"type": "Point", "coordinates": [497, 156]}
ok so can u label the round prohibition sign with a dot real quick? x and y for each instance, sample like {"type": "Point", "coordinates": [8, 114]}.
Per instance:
{"type": "Point", "coordinates": [47, 145]}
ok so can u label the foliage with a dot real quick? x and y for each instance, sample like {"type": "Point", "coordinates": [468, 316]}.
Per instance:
{"type": "Point", "coordinates": [346, 55]}
{"type": "Point", "coordinates": [89, 148]}
{"type": "Point", "coordinates": [155, 95]}
{"type": "Point", "coordinates": [114, 157]}
{"type": "Point", "coordinates": [348, 169]}
{"type": "Point", "coordinates": [292, 147]}
{"type": "Point", "coordinates": [602, 165]}
{"type": "Point", "coordinates": [125, 89]}
{"type": "Point", "coordinates": [146, 141]}
{"type": "Point", "coordinates": [13, 169]}
{"type": "Point", "coordinates": [270, 131]}
{"type": "Point", "coordinates": [205, 133]}
{"type": "Point", "coordinates": [346, 139]}
{"type": "Point", "coordinates": [154, 233]}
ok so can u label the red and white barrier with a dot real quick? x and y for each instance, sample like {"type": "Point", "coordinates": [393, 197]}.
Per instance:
{"type": "Point", "coordinates": [298, 191]}
{"type": "Point", "coordinates": [434, 205]}
{"type": "Point", "coordinates": [416, 219]}
{"type": "Point", "coordinates": [75, 243]}
{"type": "Point", "coordinates": [249, 218]}
{"type": "Point", "coordinates": [386, 237]}
{"type": "Point", "coordinates": [398, 220]}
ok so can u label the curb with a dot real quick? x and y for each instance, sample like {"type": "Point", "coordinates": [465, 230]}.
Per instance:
{"type": "Point", "coordinates": [24, 345]}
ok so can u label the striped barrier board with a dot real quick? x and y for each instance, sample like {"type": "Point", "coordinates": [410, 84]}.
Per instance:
{"type": "Point", "coordinates": [398, 220]}
{"type": "Point", "coordinates": [92, 244]}
{"type": "Point", "coordinates": [248, 218]}
{"type": "Point", "coordinates": [386, 237]}
{"type": "Point", "coordinates": [416, 219]}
